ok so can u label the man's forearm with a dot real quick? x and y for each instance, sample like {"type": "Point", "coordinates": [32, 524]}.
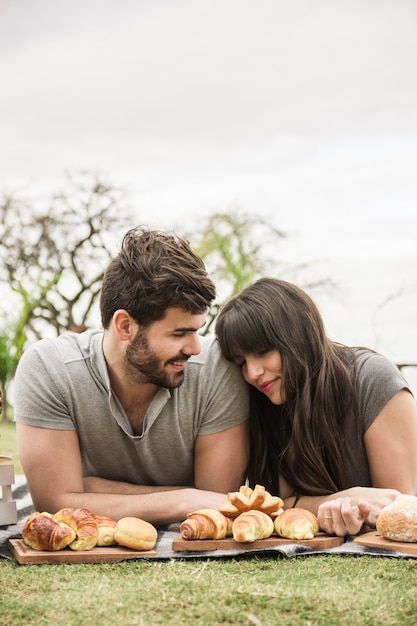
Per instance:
{"type": "Point", "coordinates": [94, 484]}
{"type": "Point", "coordinates": [159, 506]}
{"type": "Point", "coordinates": [155, 508]}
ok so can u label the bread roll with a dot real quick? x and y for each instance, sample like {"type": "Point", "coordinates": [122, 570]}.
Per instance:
{"type": "Point", "coordinates": [398, 520]}
{"type": "Point", "coordinates": [250, 526]}
{"type": "Point", "coordinates": [205, 524]}
{"type": "Point", "coordinates": [41, 532]}
{"type": "Point", "coordinates": [247, 499]}
{"type": "Point", "coordinates": [296, 524]}
{"type": "Point", "coordinates": [135, 533]}
{"type": "Point", "coordinates": [83, 522]}
{"type": "Point", "coordinates": [106, 527]}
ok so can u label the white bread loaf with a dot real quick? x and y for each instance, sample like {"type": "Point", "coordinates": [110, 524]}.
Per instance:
{"type": "Point", "coordinates": [398, 520]}
{"type": "Point", "coordinates": [135, 533]}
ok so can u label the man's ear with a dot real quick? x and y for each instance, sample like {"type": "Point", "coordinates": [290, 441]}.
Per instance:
{"type": "Point", "coordinates": [124, 325]}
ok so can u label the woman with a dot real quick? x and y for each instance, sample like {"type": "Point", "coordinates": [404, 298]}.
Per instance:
{"type": "Point", "coordinates": [333, 428]}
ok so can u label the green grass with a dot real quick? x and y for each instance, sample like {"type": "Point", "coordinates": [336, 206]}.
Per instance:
{"type": "Point", "coordinates": [8, 445]}
{"type": "Point", "coordinates": [303, 591]}
{"type": "Point", "coordinates": [325, 590]}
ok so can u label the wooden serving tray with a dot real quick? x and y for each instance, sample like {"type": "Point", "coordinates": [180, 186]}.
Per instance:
{"type": "Point", "coordinates": [320, 541]}
{"type": "Point", "coordinates": [374, 540]}
{"type": "Point", "coordinates": [27, 556]}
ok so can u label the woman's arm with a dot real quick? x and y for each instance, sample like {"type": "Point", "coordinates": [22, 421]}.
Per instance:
{"type": "Point", "coordinates": [391, 447]}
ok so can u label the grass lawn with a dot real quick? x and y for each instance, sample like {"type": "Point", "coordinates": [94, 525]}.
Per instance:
{"type": "Point", "coordinates": [261, 591]}
{"type": "Point", "coordinates": [303, 591]}
{"type": "Point", "coordinates": [8, 444]}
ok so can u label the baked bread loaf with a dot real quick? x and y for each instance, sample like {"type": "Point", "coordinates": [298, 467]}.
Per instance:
{"type": "Point", "coordinates": [247, 499]}
{"type": "Point", "coordinates": [135, 533]}
{"type": "Point", "coordinates": [398, 520]}
{"type": "Point", "coordinates": [83, 522]}
{"type": "Point", "coordinates": [296, 524]}
{"type": "Point", "coordinates": [106, 527]}
{"type": "Point", "coordinates": [79, 529]}
{"type": "Point", "coordinates": [206, 524]}
{"type": "Point", "coordinates": [250, 526]}
{"type": "Point", "coordinates": [41, 532]}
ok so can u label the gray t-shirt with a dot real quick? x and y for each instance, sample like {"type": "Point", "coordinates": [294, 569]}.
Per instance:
{"type": "Point", "coordinates": [63, 384]}
{"type": "Point", "coordinates": [377, 381]}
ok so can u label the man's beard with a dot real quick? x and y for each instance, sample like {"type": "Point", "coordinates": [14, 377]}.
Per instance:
{"type": "Point", "coordinates": [144, 367]}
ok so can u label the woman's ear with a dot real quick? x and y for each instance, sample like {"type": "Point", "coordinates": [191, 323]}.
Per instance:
{"type": "Point", "coordinates": [124, 325]}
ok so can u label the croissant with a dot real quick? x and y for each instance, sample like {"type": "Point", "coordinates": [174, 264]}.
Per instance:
{"type": "Point", "coordinates": [252, 525]}
{"type": "Point", "coordinates": [106, 527]}
{"type": "Point", "coordinates": [135, 533]}
{"type": "Point", "coordinates": [247, 499]}
{"type": "Point", "coordinates": [296, 524]}
{"type": "Point", "coordinates": [205, 524]}
{"type": "Point", "coordinates": [41, 532]}
{"type": "Point", "coordinates": [398, 520]}
{"type": "Point", "coordinates": [83, 523]}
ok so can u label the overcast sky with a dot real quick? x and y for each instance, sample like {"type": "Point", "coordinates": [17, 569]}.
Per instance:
{"type": "Point", "coordinates": [304, 111]}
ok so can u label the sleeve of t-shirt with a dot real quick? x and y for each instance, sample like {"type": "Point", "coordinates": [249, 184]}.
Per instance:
{"type": "Point", "coordinates": [39, 391]}
{"type": "Point", "coordinates": [377, 380]}
{"type": "Point", "coordinates": [226, 402]}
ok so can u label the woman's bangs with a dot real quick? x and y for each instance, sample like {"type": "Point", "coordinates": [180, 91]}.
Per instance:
{"type": "Point", "coordinates": [241, 335]}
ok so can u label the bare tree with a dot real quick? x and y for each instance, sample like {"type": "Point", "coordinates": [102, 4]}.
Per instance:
{"type": "Point", "coordinates": [53, 252]}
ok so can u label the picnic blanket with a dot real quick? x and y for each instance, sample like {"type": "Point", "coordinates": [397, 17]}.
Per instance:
{"type": "Point", "coordinates": [167, 534]}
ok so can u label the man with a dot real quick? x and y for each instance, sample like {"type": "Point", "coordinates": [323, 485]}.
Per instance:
{"type": "Point", "coordinates": [142, 418]}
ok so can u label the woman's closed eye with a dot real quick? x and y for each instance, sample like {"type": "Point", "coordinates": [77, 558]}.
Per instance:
{"type": "Point", "coordinates": [239, 360]}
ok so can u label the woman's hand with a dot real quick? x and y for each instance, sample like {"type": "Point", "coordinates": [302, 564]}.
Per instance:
{"type": "Point", "coordinates": [346, 515]}
{"type": "Point", "coordinates": [340, 517]}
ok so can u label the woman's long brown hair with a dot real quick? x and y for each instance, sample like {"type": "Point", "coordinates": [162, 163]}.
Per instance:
{"type": "Point", "coordinates": [303, 439]}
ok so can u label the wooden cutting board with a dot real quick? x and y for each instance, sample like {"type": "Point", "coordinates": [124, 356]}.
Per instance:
{"type": "Point", "coordinates": [320, 542]}
{"type": "Point", "coordinates": [27, 556]}
{"type": "Point", "coordinates": [374, 540]}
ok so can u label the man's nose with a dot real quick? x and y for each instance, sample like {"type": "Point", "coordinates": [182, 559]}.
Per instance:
{"type": "Point", "coordinates": [192, 345]}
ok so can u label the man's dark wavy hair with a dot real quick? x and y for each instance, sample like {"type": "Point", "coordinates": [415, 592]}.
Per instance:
{"type": "Point", "coordinates": [154, 271]}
